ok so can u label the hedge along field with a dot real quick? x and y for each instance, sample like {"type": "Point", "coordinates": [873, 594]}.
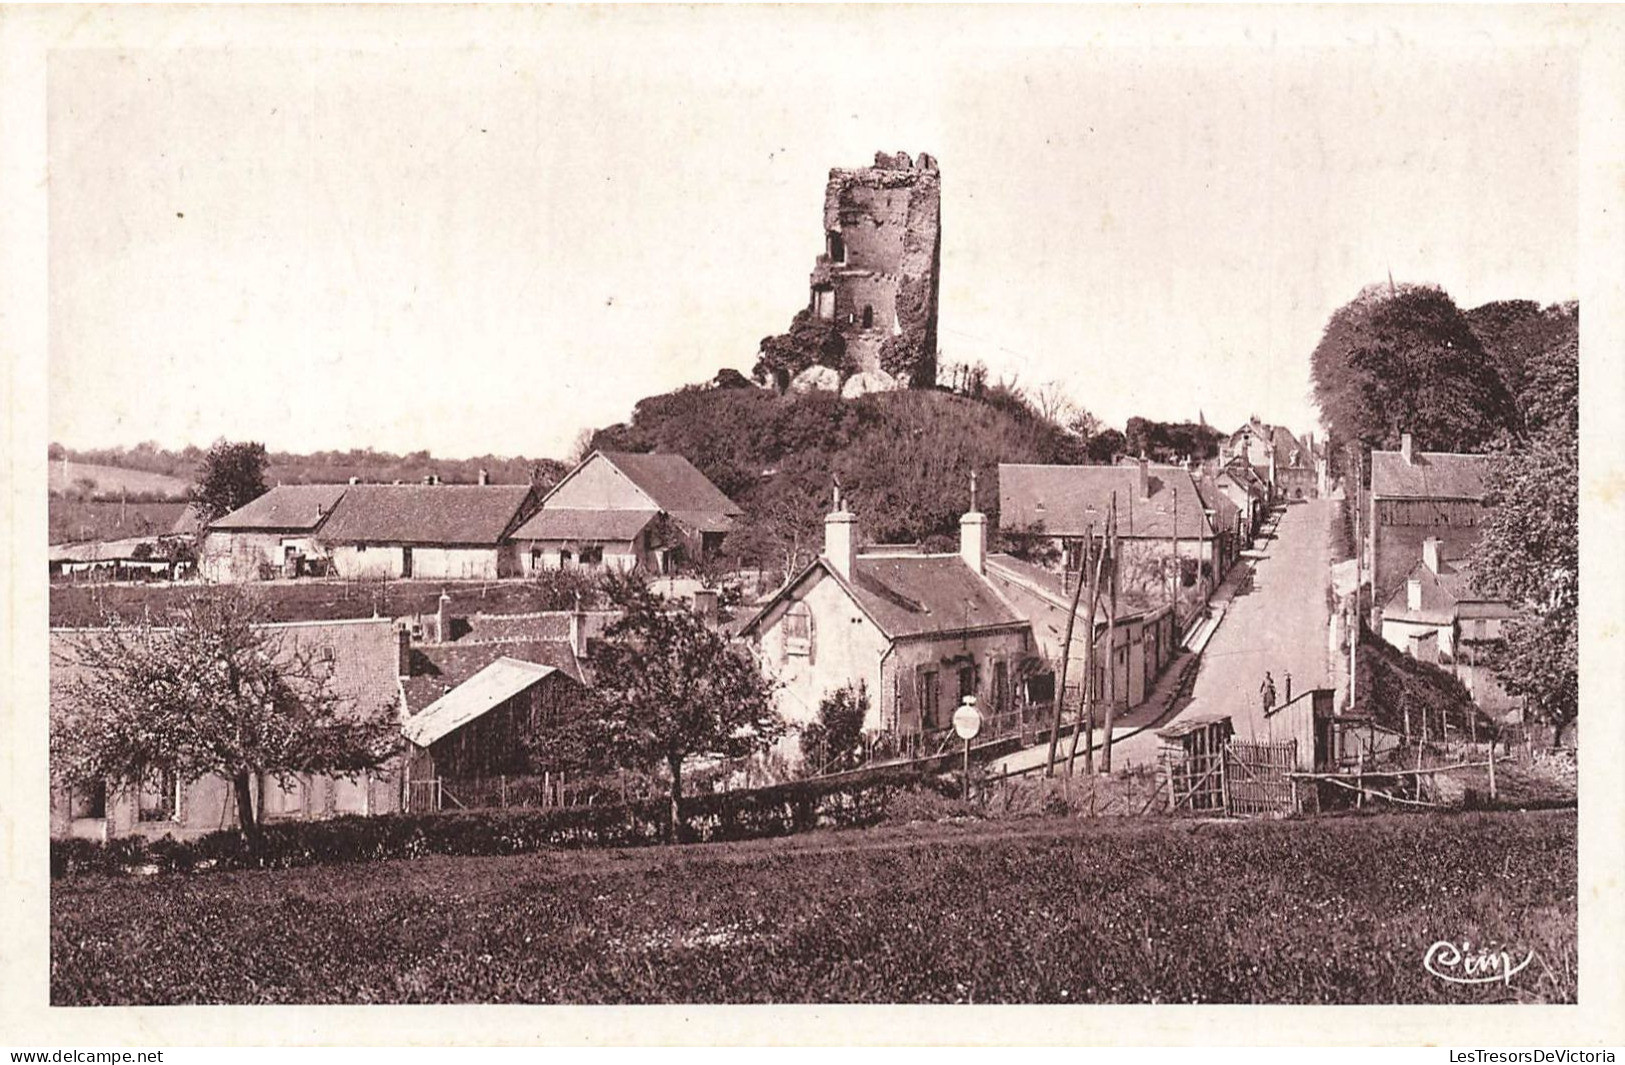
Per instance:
{"type": "Point", "coordinates": [1339, 910]}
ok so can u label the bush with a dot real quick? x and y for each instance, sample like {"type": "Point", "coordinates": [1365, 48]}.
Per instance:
{"type": "Point", "coordinates": [861, 799]}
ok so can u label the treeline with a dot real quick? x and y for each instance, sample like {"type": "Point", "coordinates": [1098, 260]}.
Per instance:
{"type": "Point", "coordinates": [318, 467]}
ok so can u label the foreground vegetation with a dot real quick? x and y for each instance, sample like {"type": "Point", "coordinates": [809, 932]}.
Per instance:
{"type": "Point", "coordinates": [1063, 910]}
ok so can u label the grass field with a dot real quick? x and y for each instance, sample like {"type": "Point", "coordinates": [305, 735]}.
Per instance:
{"type": "Point", "coordinates": [77, 521]}
{"type": "Point", "coordinates": [313, 600]}
{"type": "Point", "coordinates": [67, 475]}
{"type": "Point", "coordinates": [1334, 910]}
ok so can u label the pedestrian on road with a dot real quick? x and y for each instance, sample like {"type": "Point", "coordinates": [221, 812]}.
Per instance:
{"type": "Point", "coordinates": [1266, 692]}
{"type": "Point", "coordinates": [1289, 686]}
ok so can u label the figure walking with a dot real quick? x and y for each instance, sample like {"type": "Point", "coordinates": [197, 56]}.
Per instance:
{"type": "Point", "coordinates": [1266, 692]}
{"type": "Point", "coordinates": [1289, 686]}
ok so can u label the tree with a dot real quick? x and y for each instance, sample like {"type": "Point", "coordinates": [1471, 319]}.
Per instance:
{"type": "Point", "coordinates": [834, 742]}
{"type": "Point", "coordinates": [1403, 359]}
{"type": "Point", "coordinates": [667, 690]}
{"type": "Point", "coordinates": [232, 475]}
{"type": "Point", "coordinates": [1528, 551]}
{"type": "Point", "coordinates": [210, 690]}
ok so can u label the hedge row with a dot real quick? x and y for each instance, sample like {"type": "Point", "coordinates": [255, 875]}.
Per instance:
{"type": "Point", "coordinates": [853, 800]}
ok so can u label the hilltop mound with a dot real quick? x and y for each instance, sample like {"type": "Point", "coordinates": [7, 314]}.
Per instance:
{"type": "Point", "coordinates": [904, 459]}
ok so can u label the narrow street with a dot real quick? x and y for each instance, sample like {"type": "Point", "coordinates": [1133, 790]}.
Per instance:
{"type": "Point", "coordinates": [1275, 622]}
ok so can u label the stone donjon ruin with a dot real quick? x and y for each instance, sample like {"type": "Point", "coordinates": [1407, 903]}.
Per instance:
{"type": "Point", "coordinates": [877, 278]}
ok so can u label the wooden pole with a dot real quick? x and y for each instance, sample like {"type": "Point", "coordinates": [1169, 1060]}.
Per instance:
{"type": "Point", "coordinates": [1492, 771]}
{"type": "Point", "coordinates": [1111, 649]}
{"type": "Point", "coordinates": [1066, 654]}
{"type": "Point", "coordinates": [1092, 578]}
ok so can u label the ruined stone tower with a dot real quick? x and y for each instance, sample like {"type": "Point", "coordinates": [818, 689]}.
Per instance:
{"type": "Point", "coordinates": [877, 279]}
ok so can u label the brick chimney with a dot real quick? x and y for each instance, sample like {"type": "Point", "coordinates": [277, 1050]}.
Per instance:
{"type": "Point", "coordinates": [1405, 449]}
{"type": "Point", "coordinates": [973, 539]}
{"type": "Point", "coordinates": [841, 539]}
{"type": "Point", "coordinates": [1430, 553]}
{"type": "Point", "coordinates": [442, 619]}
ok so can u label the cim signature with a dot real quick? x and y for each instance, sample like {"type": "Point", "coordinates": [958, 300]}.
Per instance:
{"type": "Point", "coordinates": [1461, 964]}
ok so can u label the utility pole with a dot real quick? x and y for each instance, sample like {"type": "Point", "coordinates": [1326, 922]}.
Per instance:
{"type": "Point", "coordinates": [1356, 614]}
{"type": "Point", "coordinates": [1111, 653]}
{"type": "Point", "coordinates": [1092, 579]}
{"type": "Point", "coordinates": [1174, 599]}
{"type": "Point", "coordinates": [1066, 654]}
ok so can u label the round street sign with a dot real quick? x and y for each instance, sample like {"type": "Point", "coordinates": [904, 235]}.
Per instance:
{"type": "Point", "coordinates": [967, 720]}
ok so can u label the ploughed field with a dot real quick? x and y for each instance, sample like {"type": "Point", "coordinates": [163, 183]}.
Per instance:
{"type": "Point", "coordinates": [1064, 910]}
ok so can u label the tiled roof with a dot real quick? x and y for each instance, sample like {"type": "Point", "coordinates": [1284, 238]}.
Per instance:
{"type": "Point", "coordinates": [673, 483]}
{"type": "Point", "coordinates": [287, 506]}
{"type": "Point", "coordinates": [1442, 592]}
{"type": "Point", "coordinates": [617, 526]}
{"type": "Point", "coordinates": [704, 521]}
{"type": "Point", "coordinates": [1068, 500]}
{"type": "Point", "coordinates": [426, 514]}
{"type": "Point", "coordinates": [912, 595]}
{"type": "Point", "coordinates": [1431, 475]}
{"type": "Point", "coordinates": [488, 688]}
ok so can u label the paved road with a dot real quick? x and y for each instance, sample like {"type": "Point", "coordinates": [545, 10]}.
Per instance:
{"type": "Point", "coordinates": [1276, 622]}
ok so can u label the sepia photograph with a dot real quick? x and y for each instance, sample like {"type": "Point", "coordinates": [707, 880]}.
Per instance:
{"type": "Point", "coordinates": [761, 505]}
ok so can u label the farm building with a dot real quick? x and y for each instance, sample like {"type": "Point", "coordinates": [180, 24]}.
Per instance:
{"type": "Point", "coordinates": [365, 657]}
{"type": "Point", "coordinates": [1159, 511]}
{"type": "Point", "coordinates": [434, 531]}
{"type": "Point", "coordinates": [140, 557]}
{"type": "Point", "coordinates": [627, 511]}
{"type": "Point", "coordinates": [271, 536]}
{"type": "Point", "coordinates": [918, 631]}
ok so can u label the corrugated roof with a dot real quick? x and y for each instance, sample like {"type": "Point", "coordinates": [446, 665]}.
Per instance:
{"type": "Point", "coordinates": [593, 525]}
{"type": "Point", "coordinates": [1068, 500]}
{"type": "Point", "coordinates": [1431, 475]}
{"type": "Point", "coordinates": [673, 483]}
{"type": "Point", "coordinates": [426, 514]}
{"type": "Point", "coordinates": [481, 693]}
{"type": "Point", "coordinates": [294, 507]}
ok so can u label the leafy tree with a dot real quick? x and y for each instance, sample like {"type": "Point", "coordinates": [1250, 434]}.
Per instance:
{"type": "Point", "coordinates": [232, 476]}
{"type": "Point", "coordinates": [669, 690]}
{"type": "Point", "coordinates": [1403, 359]}
{"type": "Point", "coordinates": [1170, 441]}
{"type": "Point", "coordinates": [209, 690]}
{"type": "Point", "coordinates": [835, 741]}
{"type": "Point", "coordinates": [810, 341]}
{"type": "Point", "coordinates": [1528, 550]}
{"type": "Point", "coordinates": [1515, 331]}
{"type": "Point", "coordinates": [1104, 447]}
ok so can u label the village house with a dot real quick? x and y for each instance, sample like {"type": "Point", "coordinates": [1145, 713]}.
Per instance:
{"type": "Point", "coordinates": [363, 656]}
{"type": "Point", "coordinates": [1160, 512]}
{"type": "Point", "coordinates": [620, 510]}
{"type": "Point", "coordinates": [270, 536]}
{"type": "Point", "coordinates": [1246, 491]}
{"type": "Point", "coordinates": [918, 631]}
{"type": "Point", "coordinates": [1293, 469]}
{"type": "Point", "coordinates": [1145, 641]}
{"type": "Point", "coordinates": [1416, 496]}
{"type": "Point", "coordinates": [433, 531]}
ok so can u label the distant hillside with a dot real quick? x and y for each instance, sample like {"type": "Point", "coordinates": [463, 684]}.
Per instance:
{"type": "Point", "coordinates": [903, 458]}
{"type": "Point", "coordinates": [81, 520]}
{"type": "Point", "coordinates": [98, 481]}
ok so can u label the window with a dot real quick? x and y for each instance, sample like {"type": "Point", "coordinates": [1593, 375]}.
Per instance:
{"type": "Point", "coordinates": [967, 681]}
{"type": "Point", "coordinates": [159, 797]}
{"type": "Point", "coordinates": [592, 555]}
{"type": "Point", "coordinates": [837, 247]}
{"type": "Point", "coordinates": [360, 548]}
{"type": "Point", "coordinates": [930, 699]}
{"type": "Point", "coordinates": [1001, 687]}
{"type": "Point", "coordinates": [868, 316]}
{"type": "Point", "coordinates": [535, 558]}
{"type": "Point", "coordinates": [798, 630]}
{"type": "Point", "coordinates": [564, 558]}
{"type": "Point", "coordinates": [88, 801]}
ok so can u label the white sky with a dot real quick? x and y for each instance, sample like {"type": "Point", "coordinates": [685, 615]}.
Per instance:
{"type": "Point", "coordinates": [487, 249]}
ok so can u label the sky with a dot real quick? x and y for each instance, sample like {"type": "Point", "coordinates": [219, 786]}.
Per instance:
{"type": "Point", "coordinates": [488, 247]}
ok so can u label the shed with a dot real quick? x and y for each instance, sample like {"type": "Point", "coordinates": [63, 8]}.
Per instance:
{"type": "Point", "coordinates": [1192, 759]}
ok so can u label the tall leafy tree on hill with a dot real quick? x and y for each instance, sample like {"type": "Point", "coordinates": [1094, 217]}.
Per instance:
{"type": "Point", "coordinates": [1404, 359]}
{"type": "Point", "coordinates": [208, 690]}
{"type": "Point", "coordinates": [1529, 547]}
{"type": "Point", "coordinates": [232, 475]}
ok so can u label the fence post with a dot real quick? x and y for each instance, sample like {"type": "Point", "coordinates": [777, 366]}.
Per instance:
{"type": "Point", "coordinates": [502, 784]}
{"type": "Point", "coordinates": [1492, 772]}
{"type": "Point", "coordinates": [439, 795]}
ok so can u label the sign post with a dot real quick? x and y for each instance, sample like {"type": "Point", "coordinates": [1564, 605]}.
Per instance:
{"type": "Point", "coordinates": [967, 723]}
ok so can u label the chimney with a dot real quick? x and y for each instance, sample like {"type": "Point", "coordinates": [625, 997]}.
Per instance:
{"type": "Point", "coordinates": [841, 539]}
{"type": "Point", "coordinates": [1144, 478]}
{"type": "Point", "coordinates": [578, 630]}
{"type": "Point", "coordinates": [1413, 594]}
{"type": "Point", "coordinates": [485, 476]}
{"type": "Point", "coordinates": [442, 619]}
{"type": "Point", "coordinates": [1405, 449]}
{"type": "Point", "coordinates": [403, 652]}
{"type": "Point", "coordinates": [973, 539]}
{"type": "Point", "coordinates": [1430, 553]}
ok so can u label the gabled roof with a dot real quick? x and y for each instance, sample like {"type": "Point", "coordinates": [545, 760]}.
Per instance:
{"type": "Point", "coordinates": [426, 514]}
{"type": "Point", "coordinates": [1284, 443]}
{"type": "Point", "coordinates": [1068, 500]}
{"type": "Point", "coordinates": [1442, 593]}
{"type": "Point", "coordinates": [498, 682]}
{"type": "Point", "coordinates": [289, 507]}
{"type": "Point", "coordinates": [673, 483]}
{"type": "Point", "coordinates": [912, 595]}
{"type": "Point", "coordinates": [592, 525]}
{"type": "Point", "coordinates": [1430, 475]}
